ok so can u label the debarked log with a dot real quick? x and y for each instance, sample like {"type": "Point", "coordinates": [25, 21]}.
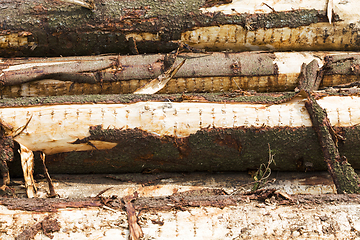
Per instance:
{"type": "Point", "coordinates": [208, 132]}
{"type": "Point", "coordinates": [201, 72]}
{"type": "Point", "coordinates": [53, 28]}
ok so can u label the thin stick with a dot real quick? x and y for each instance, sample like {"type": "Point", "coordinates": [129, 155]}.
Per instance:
{"type": "Point", "coordinates": [51, 186]}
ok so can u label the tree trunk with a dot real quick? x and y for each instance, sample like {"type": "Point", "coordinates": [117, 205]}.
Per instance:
{"type": "Point", "coordinates": [214, 132]}
{"type": "Point", "coordinates": [53, 28]}
{"type": "Point", "coordinates": [201, 72]}
{"type": "Point", "coordinates": [209, 206]}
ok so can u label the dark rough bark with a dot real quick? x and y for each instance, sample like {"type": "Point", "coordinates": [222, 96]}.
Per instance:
{"type": "Point", "coordinates": [47, 226]}
{"type": "Point", "coordinates": [6, 156]}
{"type": "Point", "coordinates": [270, 98]}
{"type": "Point", "coordinates": [238, 149]}
{"type": "Point", "coordinates": [234, 149]}
{"type": "Point", "coordinates": [52, 28]}
{"type": "Point", "coordinates": [344, 176]}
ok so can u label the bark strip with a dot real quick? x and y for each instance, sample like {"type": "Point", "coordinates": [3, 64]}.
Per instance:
{"type": "Point", "coordinates": [134, 228]}
{"type": "Point", "coordinates": [241, 149]}
{"type": "Point", "coordinates": [344, 176]}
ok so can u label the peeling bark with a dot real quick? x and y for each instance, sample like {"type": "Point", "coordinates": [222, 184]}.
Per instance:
{"type": "Point", "coordinates": [7, 155]}
{"type": "Point", "coordinates": [214, 132]}
{"type": "Point", "coordinates": [47, 225]}
{"type": "Point", "coordinates": [7, 152]}
{"type": "Point", "coordinates": [134, 228]}
{"type": "Point", "coordinates": [202, 72]}
{"type": "Point", "coordinates": [344, 176]}
{"type": "Point", "coordinates": [310, 216]}
{"type": "Point", "coordinates": [310, 76]}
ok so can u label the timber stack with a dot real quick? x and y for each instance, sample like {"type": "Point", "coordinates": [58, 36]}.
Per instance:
{"type": "Point", "coordinates": [179, 86]}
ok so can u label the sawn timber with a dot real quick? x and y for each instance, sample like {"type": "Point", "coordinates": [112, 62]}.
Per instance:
{"type": "Point", "coordinates": [206, 132]}
{"type": "Point", "coordinates": [201, 72]}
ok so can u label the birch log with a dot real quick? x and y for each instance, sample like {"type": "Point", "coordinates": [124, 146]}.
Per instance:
{"type": "Point", "coordinates": [201, 72]}
{"type": "Point", "coordinates": [233, 217]}
{"type": "Point", "coordinates": [134, 133]}
{"type": "Point", "coordinates": [53, 28]}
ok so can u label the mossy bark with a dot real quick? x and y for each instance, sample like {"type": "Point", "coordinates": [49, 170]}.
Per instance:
{"type": "Point", "coordinates": [6, 156]}
{"type": "Point", "coordinates": [213, 149]}
{"type": "Point", "coordinates": [53, 28]}
{"type": "Point", "coordinates": [344, 176]}
{"type": "Point", "coordinates": [270, 98]}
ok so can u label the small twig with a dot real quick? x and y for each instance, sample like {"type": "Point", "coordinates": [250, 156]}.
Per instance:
{"type": "Point", "coordinates": [269, 6]}
{"type": "Point", "coordinates": [18, 131]}
{"type": "Point", "coordinates": [261, 175]}
{"type": "Point", "coordinates": [47, 176]}
{"type": "Point", "coordinates": [348, 85]}
{"type": "Point", "coordinates": [236, 84]}
{"type": "Point", "coordinates": [132, 46]}
{"type": "Point", "coordinates": [108, 208]}
{"type": "Point", "coordinates": [251, 183]}
{"type": "Point", "coordinates": [103, 191]}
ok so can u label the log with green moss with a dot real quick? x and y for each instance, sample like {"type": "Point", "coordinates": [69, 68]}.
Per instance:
{"type": "Point", "coordinates": [204, 132]}
{"type": "Point", "coordinates": [201, 72]}
{"type": "Point", "coordinates": [53, 28]}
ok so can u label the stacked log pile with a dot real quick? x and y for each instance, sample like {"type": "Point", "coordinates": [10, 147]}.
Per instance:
{"type": "Point", "coordinates": [145, 86]}
{"type": "Point", "coordinates": [57, 100]}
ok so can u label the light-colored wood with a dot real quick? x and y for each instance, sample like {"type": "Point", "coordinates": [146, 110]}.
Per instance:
{"type": "Point", "coordinates": [54, 128]}
{"type": "Point", "coordinates": [201, 72]}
